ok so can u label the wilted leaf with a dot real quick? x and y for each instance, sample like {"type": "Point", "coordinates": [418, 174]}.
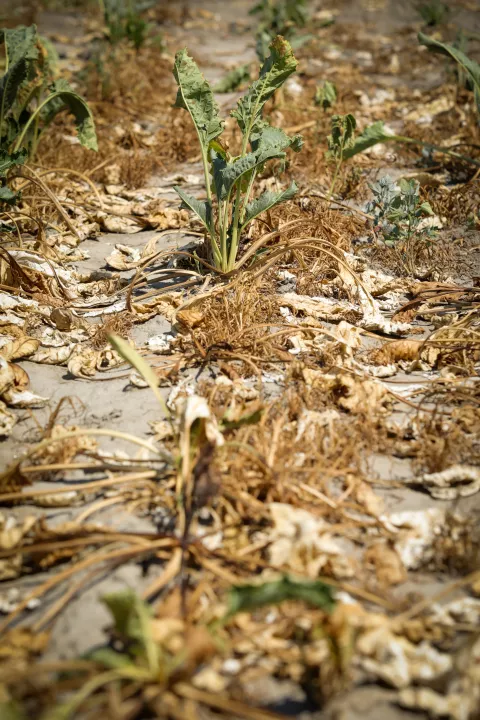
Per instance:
{"type": "Point", "coordinates": [372, 135]}
{"type": "Point", "coordinates": [62, 95]}
{"type": "Point", "coordinates": [326, 95]}
{"type": "Point", "coordinates": [246, 598]}
{"type": "Point", "coordinates": [19, 348]}
{"type": "Point", "coordinates": [131, 356]}
{"type": "Point", "coordinates": [470, 67]}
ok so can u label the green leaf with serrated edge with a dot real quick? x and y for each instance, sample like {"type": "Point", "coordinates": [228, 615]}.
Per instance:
{"type": "Point", "coordinates": [10, 84]}
{"type": "Point", "coordinates": [233, 172]}
{"type": "Point", "coordinates": [372, 135]}
{"type": "Point", "coordinates": [274, 137]}
{"type": "Point", "coordinates": [326, 95]}
{"type": "Point", "coordinates": [266, 201]}
{"type": "Point", "coordinates": [280, 64]}
{"type": "Point", "coordinates": [471, 67]}
{"type": "Point", "coordinates": [245, 598]}
{"type": "Point", "coordinates": [201, 208]}
{"type": "Point", "coordinates": [20, 42]}
{"type": "Point", "coordinates": [141, 366]}
{"type": "Point", "coordinates": [195, 95]}
{"type": "Point", "coordinates": [233, 79]}
{"type": "Point", "coordinates": [9, 160]}
{"type": "Point", "coordinates": [63, 96]}
{"type": "Point", "coordinates": [270, 144]}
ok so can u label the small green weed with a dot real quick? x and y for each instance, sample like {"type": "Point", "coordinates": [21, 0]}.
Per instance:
{"type": "Point", "coordinates": [399, 214]}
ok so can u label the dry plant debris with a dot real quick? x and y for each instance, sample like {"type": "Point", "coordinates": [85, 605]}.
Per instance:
{"type": "Point", "coordinates": [279, 450]}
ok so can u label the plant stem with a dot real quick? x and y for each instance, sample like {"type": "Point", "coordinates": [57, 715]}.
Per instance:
{"type": "Point", "coordinates": [334, 181]}
{"type": "Point", "coordinates": [437, 148]}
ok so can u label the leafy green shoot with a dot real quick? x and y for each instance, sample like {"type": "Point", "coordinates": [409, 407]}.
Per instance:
{"type": "Point", "coordinates": [434, 12]}
{"type": "Point", "coordinates": [341, 139]}
{"type": "Point", "coordinates": [468, 66]}
{"type": "Point", "coordinates": [31, 95]}
{"type": "Point", "coordinates": [399, 217]}
{"type": "Point", "coordinates": [246, 598]}
{"type": "Point", "coordinates": [230, 204]}
{"type": "Point", "coordinates": [234, 79]}
{"type": "Point", "coordinates": [326, 95]}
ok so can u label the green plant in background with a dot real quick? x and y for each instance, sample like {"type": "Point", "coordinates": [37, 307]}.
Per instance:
{"type": "Point", "coordinates": [124, 21]}
{"type": "Point", "coordinates": [31, 95]}
{"type": "Point", "coordinates": [467, 65]}
{"type": "Point", "coordinates": [434, 12]}
{"type": "Point", "coordinates": [234, 79]}
{"type": "Point", "coordinates": [279, 17]}
{"type": "Point", "coordinates": [398, 216]}
{"type": "Point", "coordinates": [326, 95]}
{"type": "Point", "coordinates": [342, 138]}
{"type": "Point", "coordinates": [230, 180]}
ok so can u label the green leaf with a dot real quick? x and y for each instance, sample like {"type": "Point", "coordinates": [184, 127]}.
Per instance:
{"type": "Point", "coordinates": [233, 79]}
{"type": "Point", "coordinates": [251, 418]}
{"type": "Point", "coordinates": [123, 606]}
{"type": "Point", "coordinates": [202, 209]}
{"type": "Point", "coordinates": [9, 196]}
{"type": "Point", "coordinates": [245, 598]}
{"type": "Point", "coordinates": [276, 138]}
{"type": "Point", "coordinates": [326, 95]}
{"type": "Point", "coordinates": [280, 64]}
{"type": "Point", "coordinates": [470, 67]}
{"type": "Point", "coordinates": [372, 135]}
{"type": "Point", "coordinates": [10, 84]}
{"type": "Point", "coordinates": [234, 171]}
{"type": "Point", "coordinates": [9, 160]}
{"type": "Point", "coordinates": [342, 137]}
{"type": "Point", "coordinates": [137, 361]}
{"type": "Point", "coordinates": [109, 658]}
{"type": "Point", "coordinates": [196, 96]}
{"type": "Point", "coordinates": [20, 42]}
{"type": "Point", "coordinates": [266, 201]}
{"type": "Point", "coordinates": [11, 711]}
{"type": "Point", "coordinates": [63, 96]}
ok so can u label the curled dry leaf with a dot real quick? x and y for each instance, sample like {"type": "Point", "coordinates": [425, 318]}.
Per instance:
{"type": "Point", "coordinates": [19, 348]}
{"type": "Point", "coordinates": [125, 257]}
{"type": "Point", "coordinates": [387, 564]}
{"type": "Point", "coordinates": [359, 395]}
{"type": "Point", "coordinates": [396, 351]}
{"type": "Point", "coordinates": [398, 662]}
{"type": "Point", "coordinates": [7, 375]}
{"type": "Point", "coordinates": [83, 363]}
{"type": "Point", "coordinates": [450, 484]}
{"type": "Point", "coordinates": [303, 542]}
{"type": "Point", "coordinates": [53, 355]}
{"type": "Point", "coordinates": [416, 533]}
{"type": "Point", "coordinates": [7, 420]}
{"type": "Point", "coordinates": [62, 319]}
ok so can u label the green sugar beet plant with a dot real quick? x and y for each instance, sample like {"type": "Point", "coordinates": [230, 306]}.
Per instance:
{"type": "Point", "coordinates": [31, 95]}
{"type": "Point", "coordinates": [231, 205]}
